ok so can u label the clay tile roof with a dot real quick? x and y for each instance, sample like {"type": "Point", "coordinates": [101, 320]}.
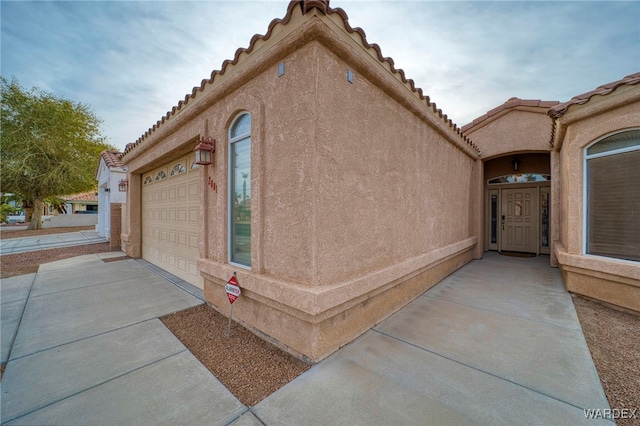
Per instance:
{"type": "Point", "coordinates": [111, 158]}
{"type": "Point", "coordinates": [559, 110]}
{"type": "Point", "coordinates": [83, 196]}
{"type": "Point", "coordinates": [510, 103]}
{"type": "Point", "coordinates": [306, 6]}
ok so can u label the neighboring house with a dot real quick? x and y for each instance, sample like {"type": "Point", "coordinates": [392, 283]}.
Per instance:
{"type": "Point", "coordinates": [83, 203]}
{"type": "Point", "coordinates": [111, 175]}
{"type": "Point", "coordinates": [338, 192]}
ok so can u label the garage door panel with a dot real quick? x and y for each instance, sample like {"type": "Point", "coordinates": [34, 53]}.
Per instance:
{"type": "Point", "coordinates": [171, 223]}
{"type": "Point", "coordinates": [193, 241]}
{"type": "Point", "coordinates": [182, 192]}
{"type": "Point", "coordinates": [194, 190]}
{"type": "Point", "coordinates": [182, 264]}
{"type": "Point", "coordinates": [194, 215]}
{"type": "Point", "coordinates": [193, 269]}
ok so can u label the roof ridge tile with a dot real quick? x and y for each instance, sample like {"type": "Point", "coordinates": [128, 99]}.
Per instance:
{"type": "Point", "coordinates": [602, 90]}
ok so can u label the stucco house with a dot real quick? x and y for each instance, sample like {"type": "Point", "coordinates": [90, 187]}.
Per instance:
{"type": "Point", "coordinates": [337, 191]}
{"type": "Point", "coordinates": [112, 193]}
{"type": "Point", "coordinates": [82, 203]}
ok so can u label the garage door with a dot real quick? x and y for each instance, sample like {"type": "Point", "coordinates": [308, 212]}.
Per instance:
{"type": "Point", "coordinates": [170, 218]}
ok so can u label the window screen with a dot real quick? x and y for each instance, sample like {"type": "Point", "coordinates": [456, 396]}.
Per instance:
{"type": "Point", "coordinates": [613, 204]}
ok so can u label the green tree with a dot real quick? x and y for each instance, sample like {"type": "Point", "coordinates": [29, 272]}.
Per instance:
{"type": "Point", "coordinates": [50, 146]}
{"type": "Point", "coordinates": [5, 211]}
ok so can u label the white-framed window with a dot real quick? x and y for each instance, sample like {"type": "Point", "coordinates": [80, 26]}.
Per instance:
{"type": "Point", "coordinates": [148, 180]}
{"type": "Point", "coordinates": [612, 196]}
{"type": "Point", "coordinates": [240, 190]}
{"type": "Point", "coordinates": [161, 175]}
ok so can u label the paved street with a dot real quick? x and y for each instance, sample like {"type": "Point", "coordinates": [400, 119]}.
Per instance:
{"type": "Point", "coordinates": [43, 242]}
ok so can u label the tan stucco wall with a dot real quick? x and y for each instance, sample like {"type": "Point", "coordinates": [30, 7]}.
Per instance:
{"type": "Point", "coordinates": [390, 187]}
{"type": "Point", "coordinates": [355, 222]}
{"type": "Point", "coordinates": [361, 196]}
{"type": "Point", "coordinates": [520, 129]}
{"type": "Point", "coordinates": [612, 280]}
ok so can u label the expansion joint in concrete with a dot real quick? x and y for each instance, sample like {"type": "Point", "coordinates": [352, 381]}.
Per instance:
{"type": "Point", "coordinates": [478, 369]}
{"type": "Point", "coordinates": [24, 307]}
{"type": "Point", "coordinates": [4, 421]}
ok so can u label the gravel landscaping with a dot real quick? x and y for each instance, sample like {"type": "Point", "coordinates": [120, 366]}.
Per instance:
{"type": "Point", "coordinates": [252, 369]}
{"type": "Point", "coordinates": [247, 365]}
{"type": "Point", "coordinates": [613, 337]}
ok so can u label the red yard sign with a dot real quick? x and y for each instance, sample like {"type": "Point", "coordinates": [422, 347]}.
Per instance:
{"type": "Point", "coordinates": [232, 289]}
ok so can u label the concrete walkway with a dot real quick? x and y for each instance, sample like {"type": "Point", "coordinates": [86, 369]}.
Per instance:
{"type": "Point", "coordinates": [43, 242]}
{"type": "Point", "coordinates": [497, 342]}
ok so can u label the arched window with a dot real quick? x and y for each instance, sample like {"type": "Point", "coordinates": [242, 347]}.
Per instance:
{"type": "Point", "coordinates": [148, 180]}
{"type": "Point", "coordinates": [161, 175]}
{"type": "Point", "coordinates": [520, 178]}
{"type": "Point", "coordinates": [240, 190]}
{"type": "Point", "coordinates": [178, 169]}
{"type": "Point", "coordinates": [612, 178]}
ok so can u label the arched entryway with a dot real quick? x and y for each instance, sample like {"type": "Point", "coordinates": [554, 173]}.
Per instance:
{"type": "Point", "coordinates": [518, 203]}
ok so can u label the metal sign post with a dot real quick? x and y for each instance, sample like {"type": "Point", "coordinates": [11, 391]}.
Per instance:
{"type": "Point", "coordinates": [233, 291]}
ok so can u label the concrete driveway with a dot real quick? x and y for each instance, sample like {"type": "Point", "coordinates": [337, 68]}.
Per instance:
{"type": "Point", "coordinates": [497, 342]}
{"type": "Point", "coordinates": [85, 346]}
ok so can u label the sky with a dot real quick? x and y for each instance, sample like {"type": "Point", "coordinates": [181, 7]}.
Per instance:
{"type": "Point", "coordinates": [132, 61]}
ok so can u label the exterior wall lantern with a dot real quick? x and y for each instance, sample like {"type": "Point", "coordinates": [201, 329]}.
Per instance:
{"type": "Point", "coordinates": [122, 186]}
{"type": "Point", "coordinates": [516, 163]}
{"type": "Point", "coordinates": [204, 150]}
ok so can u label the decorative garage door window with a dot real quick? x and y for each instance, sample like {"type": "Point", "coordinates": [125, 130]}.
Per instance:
{"type": "Point", "coordinates": [613, 196]}
{"type": "Point", "coordinates": [148, 180]}
{"type": "Point", "coordinates": [240, 191]}
{"type": "Point", "coordinates": [178, 169]}
{"type": "Point", "coordinates": [161, 175]}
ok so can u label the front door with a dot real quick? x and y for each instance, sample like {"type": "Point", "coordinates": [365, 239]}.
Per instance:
{"type": "Point", "coordinates": [519, 220]}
